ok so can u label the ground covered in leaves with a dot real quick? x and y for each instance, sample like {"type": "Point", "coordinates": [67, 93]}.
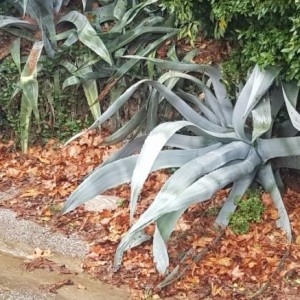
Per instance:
{"type": "Point", "coordinates": [214, 265]}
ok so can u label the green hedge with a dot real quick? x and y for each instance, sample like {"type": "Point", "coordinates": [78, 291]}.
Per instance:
{"type": "Point", "coordinates": [263, 32]}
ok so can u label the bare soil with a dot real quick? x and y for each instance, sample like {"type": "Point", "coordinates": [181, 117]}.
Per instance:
{"type": "Point", "coordinates": [17, 284]}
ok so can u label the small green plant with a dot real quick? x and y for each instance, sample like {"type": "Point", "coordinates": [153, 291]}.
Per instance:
{"type": "Point", "coordinates": [212, 211]}
{"type": "Point", "coordinates": [121, 202]}
{"type": "Point", "coordinates": [249, 210]}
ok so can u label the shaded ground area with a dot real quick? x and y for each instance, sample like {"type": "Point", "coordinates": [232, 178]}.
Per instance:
{"type": "Point", "coordinates": [236, 266]}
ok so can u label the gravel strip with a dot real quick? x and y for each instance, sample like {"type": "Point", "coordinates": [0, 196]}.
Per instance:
{"type": "Point", "coordinates": [29, 235]}
{"type": "Point", "coordinates": [24, 294]}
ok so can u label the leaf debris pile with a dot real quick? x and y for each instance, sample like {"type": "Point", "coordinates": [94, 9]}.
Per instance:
{"type": "Point", "coordinates": [236, 267]}
{"type": "Point", "coordinates": [45, 264]}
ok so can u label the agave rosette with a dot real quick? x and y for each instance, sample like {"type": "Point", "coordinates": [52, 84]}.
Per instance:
{"type": "Point", "coordinates": [229, 145]}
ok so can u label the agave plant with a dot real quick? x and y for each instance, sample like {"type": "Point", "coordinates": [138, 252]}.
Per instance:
{"type": "Point", "coordinates": [135, 29]}
{"type": "Point", "coordinates": [28, 86]}
{"type": "Point", "coordinates": [41, 15]}
{"type": "Point", "coordinates": [229, 145]}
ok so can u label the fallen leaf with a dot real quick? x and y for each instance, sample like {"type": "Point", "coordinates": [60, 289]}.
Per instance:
{"type": "Point", "coordinates": [52, 288]}
{"type": "Point", "coordinates": [236, 273]}
{"type": "Point", "coordinates": [31, 193]}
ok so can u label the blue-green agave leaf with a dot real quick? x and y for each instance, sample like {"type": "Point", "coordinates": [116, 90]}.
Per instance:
{"type": "Point", "coordinates": [290, 93]}
{"type": "Point", "coordinates": [237, 191]}
{"type": "Point", "coordinates": [215, 75]}
{"type": "Point", "coordinates": [261, 118]}
{"type": "Point", "coordinates": [266, 178]}
{"type": "Point", "coordinates": [199, 191]}
{"type": "Point", "coordinates": [126, 129]}
{"type": "Point", "coordinates": [255, 88]}
{"type": "Point", "coordinates": [87, 35]}
{"type": "Point", "coordinates": [150, 150]}
{"type": "Point", "coordinates": [120, 171]}
{"type": "Point", "coordinates": [278, 147]}
{"type": "Point", "coordinates": [160, 253]}
{"type": "Point", "coordinates": [204, 109]}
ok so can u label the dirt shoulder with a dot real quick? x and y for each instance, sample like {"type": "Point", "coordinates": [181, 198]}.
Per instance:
{"type": "Point", "coordinates": [39, 264]}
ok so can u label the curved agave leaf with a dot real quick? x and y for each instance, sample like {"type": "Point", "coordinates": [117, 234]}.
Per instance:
{"type": "Point", "coordinates": [118, 103]}
{"type": "Point", "coordinates": [12, 21]}
{"type": "Point", "coordinates": [87, 35]}
{"type": "Point", "coordinates": [133, 147]}
{"type": "Point", "coordinates": [199, 191]}
{"type": "Point", "coordinates": [150, 150]}
{"type": "Point", "coordinates": [255, 88]}
{"type": "Point", "coordinates": [278, 147]}
{"type": "Point", "coordinates": [72, 80]}
{"type": "Point", "coordinates": [160, 253]}
{"type": "Point", "coordinates": [70, 36]}
{"type": "Point", "coordinates": [104, 14]}
{"type": "Point", "coordinates": [151, 21]}
{"type": "Point", "coordinates": [189, 142]}
{"type": "Point", "coordinates": [190, 114]}
{"type": "Point", "coordinates": [91, 93]}
{"type": "Point", "coordinates": [205, 126]}
{"type": "Point", "coordinates": [196, 101]}
{"type": "Point", "coordinates": [261, 118]}
{"type": "Point", "coordinates": [167, 222]}
{"type": "Point", "coordinates": [290, 93]}
{"type": "Point", "coordinates": [177, 140]}
{"type": "Point", "coordinates": [275, 97]}
{"type": "Point", "coordinates": [268, 182]}
{"type": "Point", "coordinates": [187, 175]}
{"type": "Point", "coordinates": [209, 97]}
{"type": "Point", "coordinates": [126, 129]}
{"type": "Point", "coordinates": [200, 166]}
{"type": "Point", "coordinates": [89, 85]}
{"type": "Point", "coordinates": [130, 14]}
{"type": "Point", "coordinates": [152, 111]}
{"type": "Point", "coordinates": [238, 189]}
{"type": "Point", "coordinates": [170, 82]}
{"type": "Point", "coordinates": [43, 14]}
{"type": "Point", "coordinates": [120, 9]}
{"type": "Point", "coordinates": [156, 98]}
{"type": "Point", "coordinates": [125, 39]}
{"type": "Point", "coordinates": [145, 51]}
{"type": "Point", "coordinates": [29, 85]}
{"type": "Point", "coordinates": [215, 75]}
{"type": "Point", "coordinates": [120, 171]}
{"type": "Point", "coordinates": [16, 53]}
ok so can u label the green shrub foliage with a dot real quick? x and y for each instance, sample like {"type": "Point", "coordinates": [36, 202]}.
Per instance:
{"type": "Point", "coordinates": [262, 32]}
{"type": "Point", "coordinates": [190, 16]}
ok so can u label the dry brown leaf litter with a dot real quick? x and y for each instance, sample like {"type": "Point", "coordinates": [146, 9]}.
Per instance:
{"type": "Point", "coordinates": [235, 268]}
